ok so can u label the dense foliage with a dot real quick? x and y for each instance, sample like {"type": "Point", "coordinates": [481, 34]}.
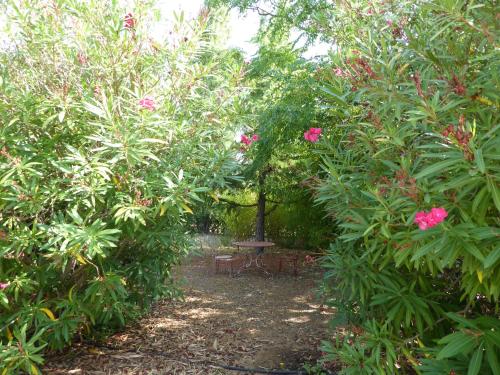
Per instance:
{"type": "Point", "coordinates": [110, 137]}
{"type": "Point", "coordinates": [296, 223]}
{"type": "Point", "coordinates": [416, 85]}
{"type": "Point", "coordinates": [113, 124]}
{"type": "Point", "coordinates": [410, 154]}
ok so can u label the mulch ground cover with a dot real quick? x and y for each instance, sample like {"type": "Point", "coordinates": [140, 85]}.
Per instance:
{"type": "Point", "coordinates": [251, 321]}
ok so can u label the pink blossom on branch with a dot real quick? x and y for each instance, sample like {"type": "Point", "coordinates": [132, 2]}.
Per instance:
{"type": "Point", "coordinates": [3, 285]}
{"type": "Point", "coordinates": [129, 21]}
{"type": "Point", "coordinates": [312, 135]}
{"type": "Point", "coordinates": [339, 72]}
{"type": "Point", "coordinates": [247, 140]}
{"type": "Point", "coordinates": [439, 213]}
{"type": "Point", "coordinates": [426, 220]}
{"type": "Point", "coordinates": [421, 220]}
{"type": "Point", "coordinates": [244, 139]}
{"type": "Point", "coordinates": [148, 103]}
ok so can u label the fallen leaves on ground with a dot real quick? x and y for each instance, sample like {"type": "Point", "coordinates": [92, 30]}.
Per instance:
{"type": "Point", "coordinates": [249, 321]}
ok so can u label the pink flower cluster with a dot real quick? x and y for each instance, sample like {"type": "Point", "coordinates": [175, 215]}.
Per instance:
{"type": "Point", "coordinates": [312, 135]}
{"type": "Point", "coordinates": [129, 21]}
{"type": "Point", "coordinates": [3, 286]}
{"type": "Point", "coordinates": [426, 220]}
{"type": "Point", "coordinates": [148, 103]}
{"type": "Point", "coordinates": [247, 140]}
{"type": "Point", "coordinates": [339, 72]}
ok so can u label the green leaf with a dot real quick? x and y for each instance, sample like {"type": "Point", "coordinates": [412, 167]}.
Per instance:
{"type": "Point", "coordinates": [460, 344]}
{"type": "Point", "coordinates": [334, 95]}
{"type": "Point", "coordinates": [478, 157]}
{"type": "Point", "coordinates": [94, 109]}
{"type": "Point", "coordinates": [433, 246]}
{"type": "Point", "coordinates": [478, 199]}
{"type": "Point", "coordinates": [495, 192]}
{"type": "Point", "coordinates": [460, 319]}
{"type": "Point", "coordinates": [492, 258]}
{"type": "Point", "coordinates": [475, 362]}
{"type": "Point", "coordinates": [473, 250]}
{"type": "Point", "coordinates": [492, 356]}
{"type": "Point", "coordinates": [438, 167]}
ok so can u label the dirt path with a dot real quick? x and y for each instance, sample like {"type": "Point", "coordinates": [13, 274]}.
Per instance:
{"type": "Point", "coordinates": [249, 321]}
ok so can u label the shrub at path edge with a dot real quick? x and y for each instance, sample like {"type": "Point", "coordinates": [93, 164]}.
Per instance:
{"type": "Point", "coordinates": [413, 178]}
{"type": "Point", "coordinates": [107, 139]}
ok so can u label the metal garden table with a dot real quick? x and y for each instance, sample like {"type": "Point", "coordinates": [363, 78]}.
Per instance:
{"type": "Point", "coordinates": [253, 258]}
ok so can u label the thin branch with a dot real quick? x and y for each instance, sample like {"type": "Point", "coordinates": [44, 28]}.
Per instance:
{"type": "Point", "coordinates": [263, 12]}
{"type": "Point", "coordinates": [236, 204]}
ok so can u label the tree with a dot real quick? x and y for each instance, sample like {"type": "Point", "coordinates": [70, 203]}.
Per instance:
{"type": "Point", "coordinates": [280, 108]}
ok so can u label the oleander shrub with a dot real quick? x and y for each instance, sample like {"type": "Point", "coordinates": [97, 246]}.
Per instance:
{"type": "Point", "coordinates": [110, 133]}
{"type": "Point", "coordinates": [412, 176]}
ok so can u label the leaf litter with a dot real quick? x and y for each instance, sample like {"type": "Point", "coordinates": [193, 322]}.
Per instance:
{"type": "Point", "coordinates": [251, 321]}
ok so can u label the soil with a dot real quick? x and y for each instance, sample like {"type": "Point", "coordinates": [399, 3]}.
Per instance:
{"type": "Point", "coordinates": [251, 320]}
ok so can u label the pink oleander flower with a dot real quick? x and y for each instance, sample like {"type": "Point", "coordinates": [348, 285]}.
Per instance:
{"type": "Point", "coordinates": [244, 139]}
{"type": "Point", "coordinates": [432, 221]}
{"type": "Point", "coordinates": [3, 285]}
{"type": "Point", "coordinates": [309, 259]}
{"type": "Point", "coordinates": [421, 220]}
{"type": "Point", "coordinates": [129, 21]}
{"type": "Point", "coordinates": [312, 135]}
{"type": "Point", "coordinates": [247, 140]}
{"type": "Point", "coordinates": [426, 220]}
{"type": "Point", "coordinates": [147, 103]}
{"type": "Point", "coordinates": [439, 214]}
{"type": "Point", "coordinates": [339, 72]}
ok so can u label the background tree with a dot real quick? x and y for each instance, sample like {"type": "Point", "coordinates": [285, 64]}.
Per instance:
{"type": "Point", "coordinates": [281, 106]}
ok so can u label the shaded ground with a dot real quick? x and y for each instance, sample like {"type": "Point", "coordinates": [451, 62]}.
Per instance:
{"type": "Point", "coordinates": [249, 321]}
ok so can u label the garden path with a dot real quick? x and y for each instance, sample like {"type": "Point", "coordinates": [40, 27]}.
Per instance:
{"type": "Point", "coordinates": [249, 321]}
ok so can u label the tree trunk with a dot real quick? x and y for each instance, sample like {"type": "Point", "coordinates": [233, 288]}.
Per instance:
{"type": "Point", "coordinates": [261, 214]}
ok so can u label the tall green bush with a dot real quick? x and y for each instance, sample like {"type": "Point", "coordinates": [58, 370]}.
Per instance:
{"type": "Point", "coordinates": [415, 85]}
{"type": "Point", "coordinates": [109, 134]}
